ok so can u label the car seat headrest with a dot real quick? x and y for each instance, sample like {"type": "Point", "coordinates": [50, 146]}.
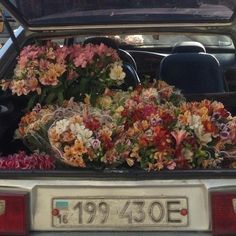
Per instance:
{"type": "Point", "coordinates": [124, 55]}
{"type": "Point", "coordinates": [192, 72]}
{"type": "Point", "coordinates": [98, 40]}
{"type": "Point", "coordinates": [188, 47]}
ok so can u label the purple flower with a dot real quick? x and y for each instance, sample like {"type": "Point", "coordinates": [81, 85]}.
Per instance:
{"type": "Point", "coordinates": [96, 144]}
{"type": "Point", "coordinates": [215, 116]}
{"type": "Point", "coordinates": [224, 135]}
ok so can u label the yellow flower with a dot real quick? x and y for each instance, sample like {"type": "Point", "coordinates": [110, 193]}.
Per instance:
{"type": "Point", "coordinates": [118, 111]}
{"type": "Point", "coordinates": [233, 165]}
{"type": "Point", "coordinates": [130, 162]}
{"type": "Point", "coordinates": [105, 102]}
{"type": "Point", "coordinates": [203, 112]}
{"type": "Point", "coordinates": [185, 118]}
{"type": "Point", "coordinates": [117, 73]}
{"type": "Point", "coordinates": [87, 99]}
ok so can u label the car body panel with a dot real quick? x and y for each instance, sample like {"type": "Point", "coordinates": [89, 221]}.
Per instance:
{"type": "Point", "coordinates": [43, 190]}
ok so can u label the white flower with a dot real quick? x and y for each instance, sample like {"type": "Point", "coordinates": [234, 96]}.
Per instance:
{"type": "Point", "coordinates": [82, 133]}
{"type": "Point", "coordinates": [200, 133]}
{"type": "Point", "coordinates": [117, 73]}
{"type": "Point", "coordinates": [134, 39]}
{"type": "Point", "coordinates": [62, 126]}
{"type": "Point", "coordinates": [196, 124]}
{"type": "Point", "coordinates": [188, 154]}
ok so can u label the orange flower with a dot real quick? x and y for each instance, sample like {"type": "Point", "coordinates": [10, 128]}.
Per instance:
{"type": "Point", "coordinates": [67, 137]}
{"type": "Point", "coordinates": [209, 127]}
{"type": "Point", "coordinates": [78, 148]}
{"type": "Point", "coordinates": [54, 136]}
{"type": "Point", "coordinates": [5, 84]}
{"type": "Point", "coordinates": [68, 151]}
{"type": "Point", "coordinates": [32, 84]}
{"type": "Point", "coordinates": [19, 87]}
{"type": "Point", "coordinates": [50, 78]}
{"type": "Point", "coordinates": [184, 118]}
{"type": "Point", "coordinates": [143, 142]}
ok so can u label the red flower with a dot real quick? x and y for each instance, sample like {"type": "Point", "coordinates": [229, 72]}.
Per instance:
{"type": "Point", "coordinates": [167, 118]}
{"type": "Point", "coordinates": [92, 124]}
{"type": "Point", "coordinates": [224, 113]}
{"type": "Point", "coordinates": [161, 138]}
{"type": "Point", "coordinates": [180, 160]}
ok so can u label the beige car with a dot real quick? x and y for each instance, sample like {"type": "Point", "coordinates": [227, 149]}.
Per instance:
{"type": "Point", "coordinates": [68, 201]}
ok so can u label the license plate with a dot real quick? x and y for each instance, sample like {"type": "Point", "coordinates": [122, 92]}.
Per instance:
{"type": "Point", "coordinates": [119, 212]}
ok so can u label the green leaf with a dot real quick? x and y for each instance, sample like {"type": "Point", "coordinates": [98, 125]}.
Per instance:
{"type": "Point", "coordinates": [31, 102]}
{"type": "Point", "coordinates": [50, 98]}
{"type": "Point", "coordinates": [60, 97]}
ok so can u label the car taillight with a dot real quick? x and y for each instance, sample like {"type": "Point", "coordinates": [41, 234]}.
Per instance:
{"type": "Point", "coordinates": [13, 213]}
{"type": "Point", "coordinates": [223, 213]}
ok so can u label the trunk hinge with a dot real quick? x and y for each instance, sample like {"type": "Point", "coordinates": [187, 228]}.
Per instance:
{"type": "Point", "coordinates": [10, 31]}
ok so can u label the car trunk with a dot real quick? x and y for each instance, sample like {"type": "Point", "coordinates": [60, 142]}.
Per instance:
{"type": "Point", "coordinates": [177, 201]}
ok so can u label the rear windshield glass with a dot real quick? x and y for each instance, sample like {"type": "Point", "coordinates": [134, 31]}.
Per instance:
{"type": "Point", "coordinates": [64, 12]}
{"type": "Point", "coordinates": [167, 40]}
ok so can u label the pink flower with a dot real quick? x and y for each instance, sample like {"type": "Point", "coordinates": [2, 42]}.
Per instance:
{"type": "Point", "coordinates": [171, 165]}
{"type": "Point", "coordinates": [21, 161]}
{"type": "Point", "coordinates": [81, 61]}
{"type": "Point", "coordinates": [179, 136]}
{"type": "Point", "coordinates": [96, 144]}
{"type": "Point", "coordinates": [43, 64]}
{"type": "Point", "coordinates": [61, 54]}
{"type": "Point", "coordinates": [72, 75]}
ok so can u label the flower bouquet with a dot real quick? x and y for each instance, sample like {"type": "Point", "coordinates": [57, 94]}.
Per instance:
{"type": "Point", "coordinates": [50, 73]}
{"type": "Point", "coordinates": [151, 127]}
{"type": "Point", "coordinates": [33, 128]}
{"type": "Point", "coordinates": [83, 138]}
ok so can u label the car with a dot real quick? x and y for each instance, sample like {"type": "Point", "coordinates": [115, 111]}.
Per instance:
{"type": "Point", "coordinates": [188, 44]}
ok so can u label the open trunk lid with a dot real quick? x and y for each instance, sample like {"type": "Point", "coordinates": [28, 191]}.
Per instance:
{"type": "Point", "coordinates": [43, 15]}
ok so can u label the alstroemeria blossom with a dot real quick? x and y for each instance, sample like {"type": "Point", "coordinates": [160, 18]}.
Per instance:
{"type": "Point", "coordinates": [144, 127]}
{"type": "Point", "coordinates": [117, 74]}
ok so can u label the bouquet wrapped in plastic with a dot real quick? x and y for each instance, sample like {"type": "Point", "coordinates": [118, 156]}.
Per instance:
{"type": "Point", "coordinates": [151, 127]}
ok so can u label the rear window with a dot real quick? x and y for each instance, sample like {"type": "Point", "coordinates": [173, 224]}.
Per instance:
{"type": "Point", "coordinates": [64, 12]}
{"type": "Point", "coordinates": [168, 40]}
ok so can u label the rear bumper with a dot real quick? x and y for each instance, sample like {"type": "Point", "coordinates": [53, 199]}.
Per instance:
{"type": "Point", "coordinates": [120, 233]}
{"type": "Point", "coordinates": [42, 191]}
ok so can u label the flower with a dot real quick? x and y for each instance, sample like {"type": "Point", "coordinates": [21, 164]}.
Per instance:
{"type": "Point", "coordinates": [50, 72]}
{"type": "Point", "coordinates": [21, 161]}
{"type": "Point", "coordinates": [116, 73]}
{"type": "Point", "coordinates": [96, 144]}
{"type": "Point", "coordinates": [144, 127]}
{"type": "Point", "coordinates": [19, 87]}
{"type": "Point", "coordinates": [179, 136]}
{"type": "Point", "coordinates": [81, 133]}
{"type": "Point", "coordinates": [61, 126]}
{"type": "Point", "coordinates": [5, 84]}
{"type": "Point", "coordinates": [82, 137]}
